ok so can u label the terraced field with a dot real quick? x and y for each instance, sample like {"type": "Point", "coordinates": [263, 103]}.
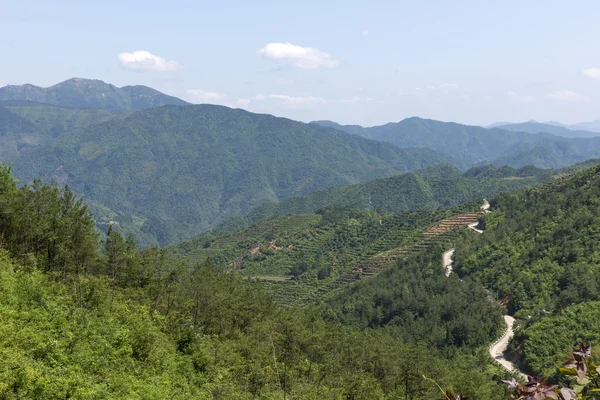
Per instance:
{"type": "Point", "coordinates": [304, 257]}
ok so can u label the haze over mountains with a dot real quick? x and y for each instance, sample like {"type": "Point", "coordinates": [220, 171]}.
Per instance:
{"type": "Point", "coordinates": [476, 144]}
{"type": "Point", "coordinates": [591, 126]}
{"type": "Point", "coordinates": [538, 127]}
{"type": "Point", "coordinates": [165, 170]}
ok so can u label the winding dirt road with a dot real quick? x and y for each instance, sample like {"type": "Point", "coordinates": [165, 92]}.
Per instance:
{"type": "Point", "coordinates": [498, 348]}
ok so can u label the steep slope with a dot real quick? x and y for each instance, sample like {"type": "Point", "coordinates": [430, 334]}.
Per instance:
{"type": "Point", "coordinates": [90, 93]}
{"type": "Point", "coordinates": [16, 133]}
{"type": "Point", "coordinates": [170, 171]}
{"type": "Point", "coordinates": [537, 127]}
{"type": "Point", "coordinates": [430, 188]}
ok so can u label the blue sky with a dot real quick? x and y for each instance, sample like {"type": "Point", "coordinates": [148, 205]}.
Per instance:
{"type": "Point", "coordinates": [366, 63]}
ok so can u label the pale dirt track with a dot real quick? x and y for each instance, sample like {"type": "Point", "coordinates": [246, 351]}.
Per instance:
{"type": "Point", "coordinates": [497, 349]}
{"type": "Point", "coordinates": [447, 261]}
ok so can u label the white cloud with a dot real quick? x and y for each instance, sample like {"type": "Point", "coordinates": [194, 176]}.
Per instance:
{"type": "Point", "coordinates": [365, 33]}
{"type": "Point", "coordinates": [449, 86]}
{"type": "Point", "coordinates": [425, 91]}
{"type": "Point", "coordinates": [239, 103]}
{"type": "Point", "coordinates": [142, 60]}
{"type": "Point", "coordinates": [593, 73]}
{"type": "Point", "coordinates": [352, 100]}
{"type": "Point", "coordinates": [260, 97]}
{"type": "Point", "coordinates": [282, 81]}
{"type": "Point", "coordinates": [207, 97]}
{"type": "Point", "coordinates": [300, 57]}
{"type": "Point", "coordinates": [567, 95]}
{"type": "Point", "coordinates": [297, 101]}
{"type": "Point", "coordinates": [307, 101]}
{"type": "Point", "coordinates": [520, 98]}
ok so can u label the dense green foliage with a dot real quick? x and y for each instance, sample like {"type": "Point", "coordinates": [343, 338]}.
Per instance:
{"type": "Point", "coordinates": [90, 93]}
{"type": "Point", "coordinates": [27, 126]}
{"type": "Point", "coordinates": [123, 323]}
{"type": "Point", "coordinates": [545, 342]}
{"type": "Point", "coordinates": [430, 188]}
{"type": "Point", "coordinates": [419, 302]}
{"type": "Point", "coordinates": [169, 172]}
{"type": "Point", "coordinates": [539, 240]}
{"type": "Point", "coordinates": [476, 144]}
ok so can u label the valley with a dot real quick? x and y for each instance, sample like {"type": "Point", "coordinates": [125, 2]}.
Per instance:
{"type": "Point", "coordinates": [228, 254]}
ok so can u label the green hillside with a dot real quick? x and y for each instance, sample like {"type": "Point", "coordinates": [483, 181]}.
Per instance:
{"type": "Point", "coordinates": [429, 188]}
{"type": "Point", "coordinates": [539, 252]}
{"type": "Point", "coordinates": [303, 257]}
{"type": "Point", "coordinates": [169, 172]}
{"type": "Point", "coordinates": [90, 93]}
{"type": "Point", "coordinates": [121, 323]}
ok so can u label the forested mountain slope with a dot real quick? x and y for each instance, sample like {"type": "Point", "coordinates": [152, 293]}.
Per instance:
{"type": "Point", "coordinates": [169, 172]}
{"type": "Point", "coordinates": [27, 125]}
{"type": "Point", "coordinates": [90, 93]}
{"type": "Point", "coordinates": [429, 188]}
{"type": "Point", "coordinates": [122, 323]}
{"type": "Point", "coordinates": [540, 253]}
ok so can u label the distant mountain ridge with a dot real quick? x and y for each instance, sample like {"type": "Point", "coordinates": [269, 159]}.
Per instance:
{"type": "Point", "coordinates": [479, 145]}
{"type": "Point", "coordinates": [553, 128]}
{"type": "Point", "coordinates": [90, 93]}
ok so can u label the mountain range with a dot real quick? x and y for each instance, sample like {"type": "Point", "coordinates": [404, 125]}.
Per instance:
{"type": "Point", "coordinates": [165, 170]}
{"type": "Point", "coordinates": [168, 172]}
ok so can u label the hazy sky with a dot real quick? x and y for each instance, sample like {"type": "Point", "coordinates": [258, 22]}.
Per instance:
{"type": "Point", "coordinates": [353, 62]}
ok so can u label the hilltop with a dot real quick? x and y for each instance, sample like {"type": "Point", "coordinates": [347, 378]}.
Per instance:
{"type": "Point", "coordinates": [89, 93]}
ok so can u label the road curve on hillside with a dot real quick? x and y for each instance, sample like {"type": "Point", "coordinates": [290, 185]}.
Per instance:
{"type": "Point", "coordinates": [447, 261]}
{"type": "Point", "coordinates": [497, 349]}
